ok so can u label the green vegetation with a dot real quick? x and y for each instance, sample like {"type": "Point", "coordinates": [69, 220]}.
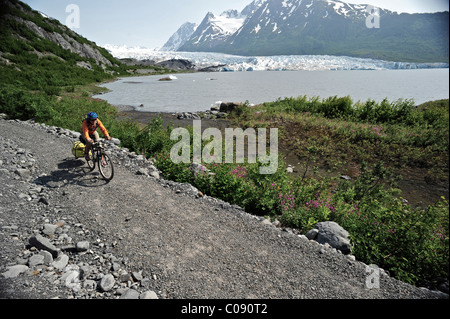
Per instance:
{"type": "Point", "coordinates": [66, 111]}
{"type": "Point", "coordinates": [37, 63]}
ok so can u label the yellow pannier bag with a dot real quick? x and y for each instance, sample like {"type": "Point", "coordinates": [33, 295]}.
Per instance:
{"type": "Point", "coordinates": [78, 149]}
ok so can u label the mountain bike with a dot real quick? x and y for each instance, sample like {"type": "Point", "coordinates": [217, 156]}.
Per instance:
{"type": "Point", "coordinates": [103, 161]}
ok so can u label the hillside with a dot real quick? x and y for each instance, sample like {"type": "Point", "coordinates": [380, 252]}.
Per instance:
{"type": "Point", "coordinates": [46, 68]}
{"type": "Point", "coordinates": [40, 54]}
{"type": "Point", "coordinates": [322, 27]}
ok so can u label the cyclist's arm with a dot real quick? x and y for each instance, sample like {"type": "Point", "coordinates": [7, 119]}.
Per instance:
{"type": "Point", "coordinates": [85, 132]}
{"type": "Point", "coordinates": [103, 129]}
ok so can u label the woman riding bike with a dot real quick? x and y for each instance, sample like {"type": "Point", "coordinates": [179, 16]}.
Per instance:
{"type": "Point", "coordinates": [89, 133]}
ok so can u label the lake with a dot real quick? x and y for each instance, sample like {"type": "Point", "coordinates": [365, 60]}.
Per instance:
{"type": "Point", "coordinates": [191, 92]}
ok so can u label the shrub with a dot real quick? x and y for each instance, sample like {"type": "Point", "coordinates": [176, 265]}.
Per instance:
{"type": "Point", "coordinates": [335, 107]}
{"type": "Point", "coordinates": [410, 243]}
{"type": "Point", "coordinates": [154, 138]}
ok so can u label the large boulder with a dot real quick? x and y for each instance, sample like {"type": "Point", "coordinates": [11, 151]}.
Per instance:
{"type": "Point", "coordinates": [228, 107]}
{"type": "Point", "coordinates": [333, 234]}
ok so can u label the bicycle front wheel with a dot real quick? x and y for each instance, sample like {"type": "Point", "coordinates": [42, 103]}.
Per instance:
{"type": "Point", "coordinates": [105, 166]}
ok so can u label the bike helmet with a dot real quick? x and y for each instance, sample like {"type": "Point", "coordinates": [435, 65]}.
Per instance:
{"type": "Point", "coordinates": [92, 116]}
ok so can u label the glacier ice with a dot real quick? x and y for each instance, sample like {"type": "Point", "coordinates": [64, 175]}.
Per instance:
{"type": "Point", "coordinates": [229, 62]}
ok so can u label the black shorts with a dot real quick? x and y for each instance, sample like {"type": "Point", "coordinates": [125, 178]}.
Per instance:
{"type": "Point", "coordinates": [94, 137]}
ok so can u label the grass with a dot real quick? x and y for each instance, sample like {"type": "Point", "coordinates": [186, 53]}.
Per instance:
{"type": "Point", "coordinates": [342, 134]}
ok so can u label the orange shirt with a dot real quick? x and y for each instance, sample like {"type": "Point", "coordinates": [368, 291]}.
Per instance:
{"type": "Point", "coordinates": [89, 129]}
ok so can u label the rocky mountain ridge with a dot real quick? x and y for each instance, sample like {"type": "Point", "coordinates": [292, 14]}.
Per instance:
{"type": "Point", "coordinates": [179, 37]}
{"type": "Point", "coordinates": [324, 27]}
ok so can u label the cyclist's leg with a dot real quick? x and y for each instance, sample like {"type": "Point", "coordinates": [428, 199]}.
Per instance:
{"type": "Point", "coordinates": [87, 146]}
{"type": "Point", "coordinates": [95, 136]}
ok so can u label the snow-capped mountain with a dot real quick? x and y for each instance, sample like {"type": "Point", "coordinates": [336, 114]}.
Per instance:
{"type": "Point", "coordinates": [329, 27]}
{"type": "Point", "coordinates": [180, 37]}
{"type": "Point", "coordinates": [215, 30]}
{"type": "Point", "coordinates": [266, 19]}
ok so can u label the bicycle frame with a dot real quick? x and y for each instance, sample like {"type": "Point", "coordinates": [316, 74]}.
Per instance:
{"type": "Point", "coordinates": [103, 161]}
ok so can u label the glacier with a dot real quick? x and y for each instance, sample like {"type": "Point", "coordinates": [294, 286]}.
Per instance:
{"type": "Point", "coordinates": [234, 63]}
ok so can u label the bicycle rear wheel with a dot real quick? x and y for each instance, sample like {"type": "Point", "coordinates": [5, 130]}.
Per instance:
{"type": "Point", "coordinates": [106, 167]}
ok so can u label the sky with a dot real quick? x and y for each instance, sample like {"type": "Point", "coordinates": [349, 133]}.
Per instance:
{"type": "Point", "coordinates": [150, 23]}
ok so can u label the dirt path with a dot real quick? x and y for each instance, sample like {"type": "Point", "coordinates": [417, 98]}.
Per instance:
{"type": "Point", "coordinates": [190, 247]}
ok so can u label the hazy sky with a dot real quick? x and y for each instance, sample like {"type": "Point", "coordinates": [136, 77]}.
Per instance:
{"type": "Point", "coordinates": [150, 23]}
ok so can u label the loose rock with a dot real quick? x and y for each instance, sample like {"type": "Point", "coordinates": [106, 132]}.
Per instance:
{"type": "Point", "coordinates": [41, 242]}
{"type": "Point", "coordinates": [107, 282]}
{"type": "Point", "coordinates": [15, 271]}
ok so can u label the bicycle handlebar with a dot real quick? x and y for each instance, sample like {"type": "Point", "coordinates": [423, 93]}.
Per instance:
{"type": "Point", "coordinates": [101, 143]}
{"type": "Point", "coordinates": [98, 144]}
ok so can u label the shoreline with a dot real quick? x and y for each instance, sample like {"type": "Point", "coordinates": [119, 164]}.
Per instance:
{"type": "Point", "coordinates": [144, 118]}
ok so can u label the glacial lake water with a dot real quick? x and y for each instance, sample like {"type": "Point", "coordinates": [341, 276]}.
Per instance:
{"type": "Point", "coordinates": [191, 92]}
